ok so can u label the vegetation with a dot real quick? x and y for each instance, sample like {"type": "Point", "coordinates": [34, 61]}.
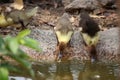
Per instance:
{"type": "Point", "coordinates": [10, 48]}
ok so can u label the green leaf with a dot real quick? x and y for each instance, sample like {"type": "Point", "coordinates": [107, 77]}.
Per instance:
{"type": "Point", "coordinates": [22, 54]}
{"type": "Point", "coordinates": [9, 66]}
{"type": "Point", "coordinates": [21, 41]}
{"type": "Point", "coordinates": [23, 33]}
{"type": "Point", "coordinates": [2, 46]}
{"type": "Point", "coordinates": [13, 45]}
{"type": "Point", "coordinates": [31, 43]}
{"type": "Point", "coordinates": [3, 73]}
{"type": "Point", "coordinates": [1, 42]}
{"type": "Point", "coordinates": [31, 71]}
{"type": "Point", "coordinates": [10, 45]}
{"type": "Point", "coordinates": [7, 38]}
{"type": "Point", "coordinates": [24, 62]}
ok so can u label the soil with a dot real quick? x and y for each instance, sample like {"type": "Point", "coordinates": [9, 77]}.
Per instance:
{"type": "Point", "coordinates": [48, 15]}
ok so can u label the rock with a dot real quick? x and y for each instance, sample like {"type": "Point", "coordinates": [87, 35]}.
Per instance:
{"type": "Point", "coordinates": [47, 41]}
{"type": "Point", "coordinates": [82, 4]}
{"type": "Point", "coordinates": [107, 3]}
{"type": "Point", "coordinates": [66, 2]}
{"type": "Point", "coordinates": [79, 51]}
{"type": "Point", "coordinates": [96, 6]}
{"type": "Point", "coordinates": [108, 48]}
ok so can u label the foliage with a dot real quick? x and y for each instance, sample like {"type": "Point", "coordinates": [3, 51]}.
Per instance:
{"type": "Point", "coordinates": [10, 47]}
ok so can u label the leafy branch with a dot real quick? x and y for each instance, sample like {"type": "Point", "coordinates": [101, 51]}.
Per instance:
{"type": "Point", "coordinates": [10, 47]}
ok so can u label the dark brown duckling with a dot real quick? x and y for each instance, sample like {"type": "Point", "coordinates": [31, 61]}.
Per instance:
{"type": "Point", "coordinates": [89, 33]}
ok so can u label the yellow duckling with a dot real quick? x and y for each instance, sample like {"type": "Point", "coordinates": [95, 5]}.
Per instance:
{"type": "Point", "coordinates": [17, 18]}
{"type": "Point", "coordinates": [5, 21]}
{"type": "Point", "coordinates": [64, 31]}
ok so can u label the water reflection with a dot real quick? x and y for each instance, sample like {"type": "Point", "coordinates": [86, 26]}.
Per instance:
{"type": "Point", "coordinates": [72, 71]}
{"type": "Point", "coordinates": [63, 71]}
{"type": "Point", "coordinates": [97, 71]}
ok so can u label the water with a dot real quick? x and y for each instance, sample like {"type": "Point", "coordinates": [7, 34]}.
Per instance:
{"type": "Point", "coordinates": [71, 70]}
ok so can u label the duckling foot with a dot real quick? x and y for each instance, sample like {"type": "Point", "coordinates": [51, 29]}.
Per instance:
{"type": "Point", "coordinates": [92, 60]}
{"type": "Point", "coordinates": [59, 57]}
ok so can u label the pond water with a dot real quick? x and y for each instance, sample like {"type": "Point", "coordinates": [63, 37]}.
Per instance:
{"type": "Point", "coordinates": [71, 70]}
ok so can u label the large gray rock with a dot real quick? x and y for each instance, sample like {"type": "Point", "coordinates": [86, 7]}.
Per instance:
{"type": "Point", "coordinates": [95, 6]}
{"type": "Point", "coordinates": [107, 3]}
{"type": "Point", "coordinates": [47, 41]}
{"type": "Point", "coordinates": [66, 2]}
{"type": "Point", "coordinates": [107, 49]}
{"type": "Point", "coordinates": [109, 45]}
{"type": "Point", "coordinates": [79, 51]}
{"type": "Point", "coordinates": [82, 4]}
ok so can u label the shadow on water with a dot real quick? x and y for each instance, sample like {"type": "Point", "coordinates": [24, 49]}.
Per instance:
{"type": "Point", "coordinates": [71, 70]}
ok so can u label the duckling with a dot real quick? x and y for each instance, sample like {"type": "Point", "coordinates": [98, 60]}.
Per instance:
{"type": "Point", "coordinates": [64, 31]}
{"type": "Point", "coordinates": [17, 17]}
{"type": "Point", "coordinates": [89, 32]}
{"type": "Point", "coordinates": [5, 21]}
{"type": "Point", "coordinates": [23, 17]}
